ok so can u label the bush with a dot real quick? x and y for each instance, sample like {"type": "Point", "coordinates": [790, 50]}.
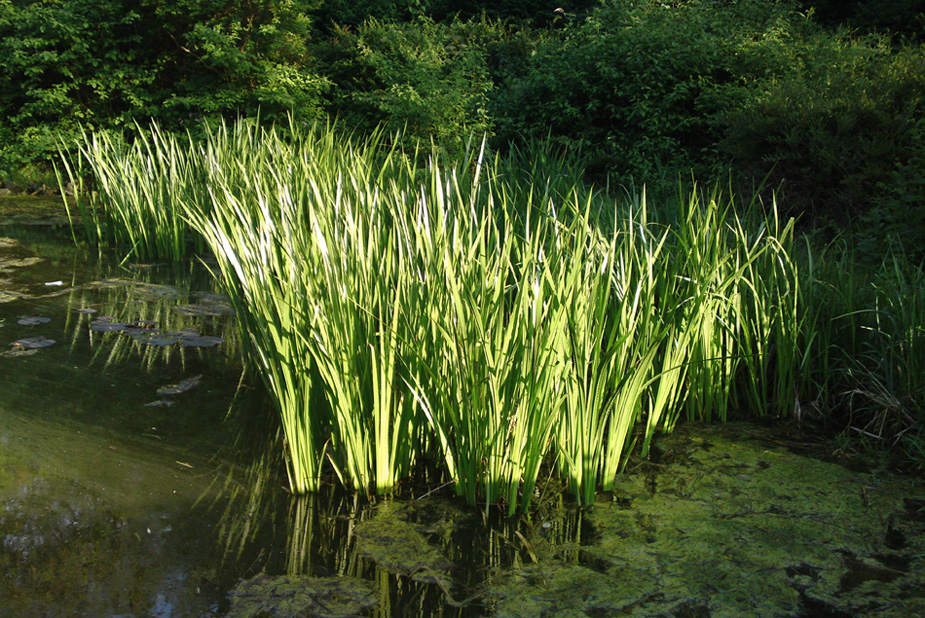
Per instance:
{"type": "Point", "coordinates": [837, 126]}
{"type": "Point", "coordinates": [105, 64]}
{"type": "Point", "coordinates": [428, 79]}
{"type": "Point", "coordinates": [636, 85]}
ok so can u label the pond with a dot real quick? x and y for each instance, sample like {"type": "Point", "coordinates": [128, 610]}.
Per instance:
{"type": "Point", "coordinates": [139, 476]}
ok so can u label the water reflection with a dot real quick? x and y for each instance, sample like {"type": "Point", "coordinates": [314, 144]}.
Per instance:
{"type": "Point", "coordinates": [334, 553]}
{"type": "Point", "coordinates": [181, 505]}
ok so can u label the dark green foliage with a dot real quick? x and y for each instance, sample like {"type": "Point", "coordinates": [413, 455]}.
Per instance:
{"type": "Point", "coordinates": [431, 80]}
{"type": "Point", "coordinates": [109, 63]}
{"type": "Point", "coordinates": [840, 126]}
{"type": "Point", "coordinates": [541, 14]}
{"type": "Point", "coordinates": [645, 91]}
{"type": "Point", "coordinates": [636, 86]}
{"type": "Point", "coordinates": [65, 63]}
{"type": "Point", "coordinates": [903, 17]}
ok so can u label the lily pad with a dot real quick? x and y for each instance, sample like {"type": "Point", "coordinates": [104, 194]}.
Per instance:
{"type": "Point", "coordinates": [106, 325]}
{"type": "Point", "coordinates": [141, 329]}
{"type": "Point", "coordinates": [32, 343]}
{"type": "Point", "coordinates": [159, 339]}
{"type": "Point", "coordinates": [32, 320]}
{"type": "Point", "coordinates": [202, 309]}
{"type": "Point", "coordinates": [16, 352]}
{"type": "Point", "coordinates": [180, 387]}
{"type": "Point", "coordinates": [201, 342]}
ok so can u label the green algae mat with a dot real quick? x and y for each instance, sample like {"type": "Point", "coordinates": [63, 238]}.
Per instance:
{"type": "Point", "coordinates": [719, 525]}
{"type": "Point", "coordinates": [722, 521]}
{"type": "Point", "coordinates": [32, 210]}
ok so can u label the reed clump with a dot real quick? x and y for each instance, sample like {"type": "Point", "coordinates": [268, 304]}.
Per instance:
{"type": "Point", "coordinates": [480, 311]}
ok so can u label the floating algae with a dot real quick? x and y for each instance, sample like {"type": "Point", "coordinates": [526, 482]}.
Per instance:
{"type": "Point", "coordinates": [719, 526]}
{"type": "Point", "coordinates": [395, 544]}
{"type": "Point", "coordinates": [299, 597]}
{"type": "Point", "coordinates": [180, 387]}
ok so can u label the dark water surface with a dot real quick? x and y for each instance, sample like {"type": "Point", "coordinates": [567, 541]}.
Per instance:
{"type": "Point", "coordinates": [141, 479]}
{"type": "Point", "coordinates": [140, 476]}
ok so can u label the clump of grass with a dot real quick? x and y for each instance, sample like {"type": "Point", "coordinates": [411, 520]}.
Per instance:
{"type": "Point", "coordinates": [477, 310]}
{"type": "Point", "coordinates": [133, 200]}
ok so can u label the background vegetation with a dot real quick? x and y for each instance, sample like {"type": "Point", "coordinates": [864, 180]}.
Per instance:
{"type": "Point", "coordinates": [825, 99]}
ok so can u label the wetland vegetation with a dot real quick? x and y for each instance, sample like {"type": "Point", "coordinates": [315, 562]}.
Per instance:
{"type": "Point", "coordinates": [508, 279]}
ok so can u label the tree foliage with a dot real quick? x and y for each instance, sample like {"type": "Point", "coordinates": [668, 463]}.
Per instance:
{"type": "Point", "coordinates": [823, 98]}
{"type": "Point", "coordinates": [109, 63]}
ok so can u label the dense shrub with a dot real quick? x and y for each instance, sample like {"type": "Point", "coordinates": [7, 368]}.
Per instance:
{"type": "Point", "coordinates": [636, 85]}
{"type": "Point", "coordinates": [429, 79]}
{"type": "Point", "coordinates": [839, 126]}
{"type": "Point", "coordinates": [107, 63]}
{"type": "Point", "coordinates": [354, 13]}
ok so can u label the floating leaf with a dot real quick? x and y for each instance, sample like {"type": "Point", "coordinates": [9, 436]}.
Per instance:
{"type": "Point", "coordinates": [160, 339]}
{"type": "Point", "coordinates": [101, 325]}
{"type": "Point", "coordinates": [18, 352]}
{"type": "Point", "coordinates": [201, 342]}
{"type": "Point", "coordinates": [210, 310]}
{"type": "Point", "coordinates": [141, 329]}
{"type": "Point", "coordinates": [32, 343]}
{"type": "Point", "coordinates": [31, 320]}
{"type": "Point", "coordinates": [180, 387]}
{"type": "Point", "coordinates": [146, 324]}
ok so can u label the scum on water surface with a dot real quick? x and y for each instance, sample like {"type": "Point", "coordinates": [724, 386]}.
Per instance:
{"type": "Point", "coordinates": [721, 524]}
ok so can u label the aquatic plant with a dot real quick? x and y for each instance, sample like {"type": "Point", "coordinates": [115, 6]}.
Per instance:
{"type": "Point", "coordinates": [140, 182]}
{"type": "Point", "coordinates": [483, 310]}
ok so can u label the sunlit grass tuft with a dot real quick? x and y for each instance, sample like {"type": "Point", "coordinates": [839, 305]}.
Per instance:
{"type": "Point", "coordinates": [490, 313]}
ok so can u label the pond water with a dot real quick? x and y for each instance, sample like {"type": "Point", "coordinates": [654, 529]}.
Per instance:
{"type": "Point", "coordinates": [139, 476]}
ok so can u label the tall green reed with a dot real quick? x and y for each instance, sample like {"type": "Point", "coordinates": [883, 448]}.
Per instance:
{"type": "Point", "coordinates": [479, 310]}
{"type": "Point", "coordinates": [140, 183]}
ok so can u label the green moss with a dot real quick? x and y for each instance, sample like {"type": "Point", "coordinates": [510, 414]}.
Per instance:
{"type": "Point", "coordinates": [32, 210]}
{"type": "Point", "coordinates": [722, 526]}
